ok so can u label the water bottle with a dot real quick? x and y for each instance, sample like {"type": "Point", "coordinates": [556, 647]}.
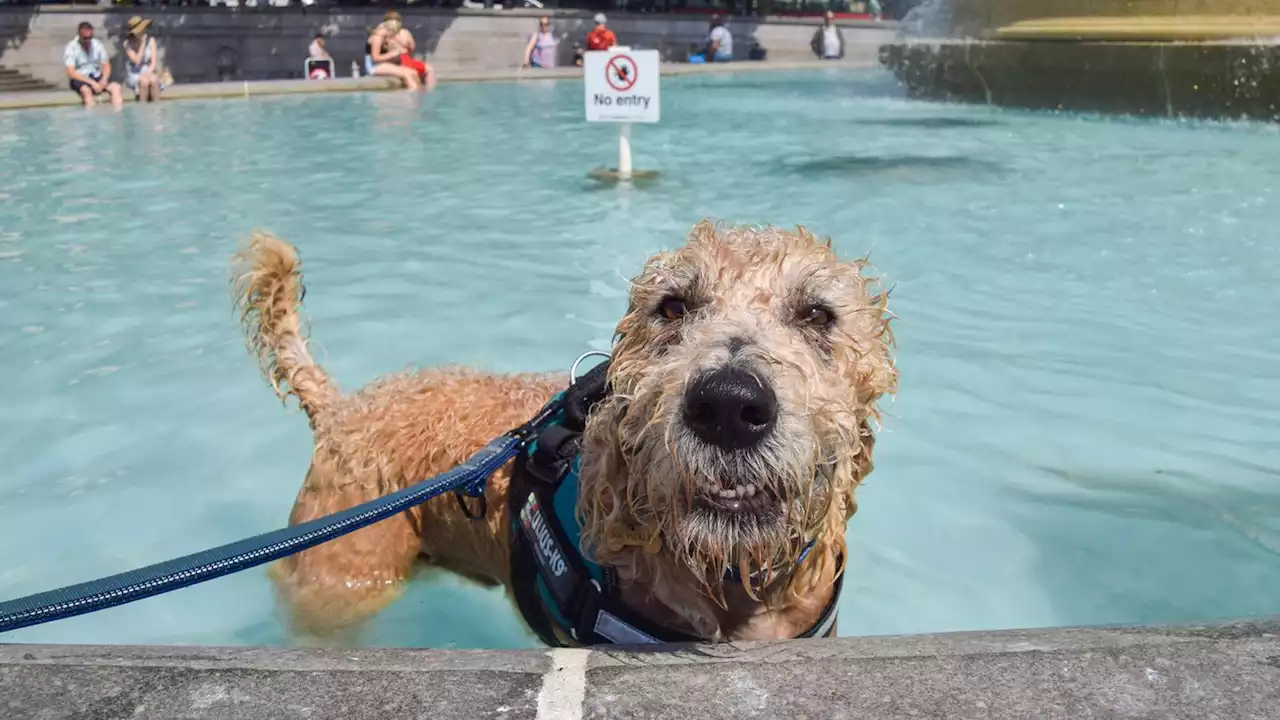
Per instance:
{"type": "Point", "coordinates": [355, 69]}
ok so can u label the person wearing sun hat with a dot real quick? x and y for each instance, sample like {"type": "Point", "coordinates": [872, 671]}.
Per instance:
{"type": "Point", "coordinates": [140, 74]}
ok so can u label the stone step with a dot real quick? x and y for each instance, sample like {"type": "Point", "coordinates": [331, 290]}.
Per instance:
{"type": "Point", "coordinates": [1176, 28]}
{"type": "Point", "coordinates": [23, 86]}
{"type": "Point", "coordinates": [15, 81]}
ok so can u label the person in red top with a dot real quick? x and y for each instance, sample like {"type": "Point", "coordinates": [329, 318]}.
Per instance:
{"type": "Point", "coordinates": [601, 38]}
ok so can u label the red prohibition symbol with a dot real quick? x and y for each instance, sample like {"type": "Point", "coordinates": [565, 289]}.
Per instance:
{"type": "Point", "coordinates": [621, 72]}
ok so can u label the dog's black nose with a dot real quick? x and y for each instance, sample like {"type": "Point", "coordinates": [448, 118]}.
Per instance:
{"type": "Point", "coordinates": [730, 409]}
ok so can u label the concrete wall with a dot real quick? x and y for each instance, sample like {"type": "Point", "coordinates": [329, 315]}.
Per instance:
{"type": "Point", "coordinates": [1195, 672]}
{"type": "Point", "coordinates": [204, 44]}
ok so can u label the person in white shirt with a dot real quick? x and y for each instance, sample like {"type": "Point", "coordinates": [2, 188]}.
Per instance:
{"type": "Point", "coordinates": [828, 41]}
{"type": "Point", "coordinates": [89, 69]}
{"type": "Point", "coordinates": [719, 42]}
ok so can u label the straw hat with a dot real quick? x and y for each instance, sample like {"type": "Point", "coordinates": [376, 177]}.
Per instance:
{"type": "Point", "coordinates": [138, 25]}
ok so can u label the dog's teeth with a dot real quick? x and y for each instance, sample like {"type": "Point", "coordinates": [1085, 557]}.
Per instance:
{"type": "Point", "coordinates": [740, 491]}
{"type": "Point", "coordinates": [728, 494]}
{"type": "Point", "coordinates": [750, 490]}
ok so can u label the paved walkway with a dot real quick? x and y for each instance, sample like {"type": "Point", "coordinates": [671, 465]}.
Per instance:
{"type": "Point", "coordinates": [1194, 672]}
{"type": "Point", "coordinates": [57, 98]}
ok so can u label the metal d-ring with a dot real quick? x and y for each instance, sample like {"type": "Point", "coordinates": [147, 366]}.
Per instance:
{"type": "Point", "coordinates": [573, 370]}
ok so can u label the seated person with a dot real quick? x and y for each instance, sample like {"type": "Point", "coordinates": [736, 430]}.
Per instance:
{"type": "Point", "coordinates": [317, 50]}
{"type": "Point", "coordinates": [827, 41]}
{"type": "Point", "coordinates": [389, 53]}
{"type": "Point", "coordinates": [140, 62]}
{"type": "Point", "coordinates": [719, 42]}
{"type": "Point", "coordinates": [89, 69]}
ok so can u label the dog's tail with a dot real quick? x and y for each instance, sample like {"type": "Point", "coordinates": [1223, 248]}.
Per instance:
{"type": "Point", "coordinates": [267, 284]}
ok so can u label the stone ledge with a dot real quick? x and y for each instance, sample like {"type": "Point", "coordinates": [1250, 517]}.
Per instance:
{"type": "Point", "coordinates": [1195, 671]}
{"type": "Point", "coordinates": [262, 88]}
{"type": "Point", "coordinates": [197, 91]}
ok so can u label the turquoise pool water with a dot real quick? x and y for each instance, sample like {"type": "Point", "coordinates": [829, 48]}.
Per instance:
{"type": "Point", "coordinates": [1087, 430]}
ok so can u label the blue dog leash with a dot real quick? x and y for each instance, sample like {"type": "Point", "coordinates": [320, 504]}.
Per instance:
{"type": "Point", "coordinates": [467, 479]}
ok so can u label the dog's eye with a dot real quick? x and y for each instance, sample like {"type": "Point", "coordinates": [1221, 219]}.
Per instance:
{"type": "Point", "coordinates": [672, 308]}
{"type": "Point", "coordinates": [817, 316]}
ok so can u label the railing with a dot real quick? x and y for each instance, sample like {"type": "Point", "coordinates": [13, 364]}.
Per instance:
{"type": "Point", "coordinates": [319, 69]}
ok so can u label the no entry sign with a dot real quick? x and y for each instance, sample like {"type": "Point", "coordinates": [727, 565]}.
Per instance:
{"type": "Point", "coordinates": [621, 85]}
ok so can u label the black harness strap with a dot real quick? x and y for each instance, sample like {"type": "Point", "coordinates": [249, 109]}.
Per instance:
{"type": "Point", "coordinates": [534, 480]}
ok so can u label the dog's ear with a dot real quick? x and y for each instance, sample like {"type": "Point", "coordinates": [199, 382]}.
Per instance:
{"type": "Point", "coordinates": [878, 373]}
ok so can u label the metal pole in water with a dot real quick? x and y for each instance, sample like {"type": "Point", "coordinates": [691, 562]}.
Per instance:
{"type": "Point", "coordinates": [624, 151]}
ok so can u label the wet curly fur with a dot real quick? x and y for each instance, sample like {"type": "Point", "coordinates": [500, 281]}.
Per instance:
{"type": "Point", "coordinates": [777, 305]}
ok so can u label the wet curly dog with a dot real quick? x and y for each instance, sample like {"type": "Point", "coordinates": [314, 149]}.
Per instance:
{"type": "Point", "coordinates": [743, 391]}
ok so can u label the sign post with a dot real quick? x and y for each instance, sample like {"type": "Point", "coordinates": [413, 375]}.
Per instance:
{"type": "Point", "coordinates": [624, 151]}
{"type": "Point", "coordinates": [622, 87]}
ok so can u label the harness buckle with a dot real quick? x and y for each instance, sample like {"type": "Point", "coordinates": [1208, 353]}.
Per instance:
{"type": "Point", "coordinates": [550, 460]}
